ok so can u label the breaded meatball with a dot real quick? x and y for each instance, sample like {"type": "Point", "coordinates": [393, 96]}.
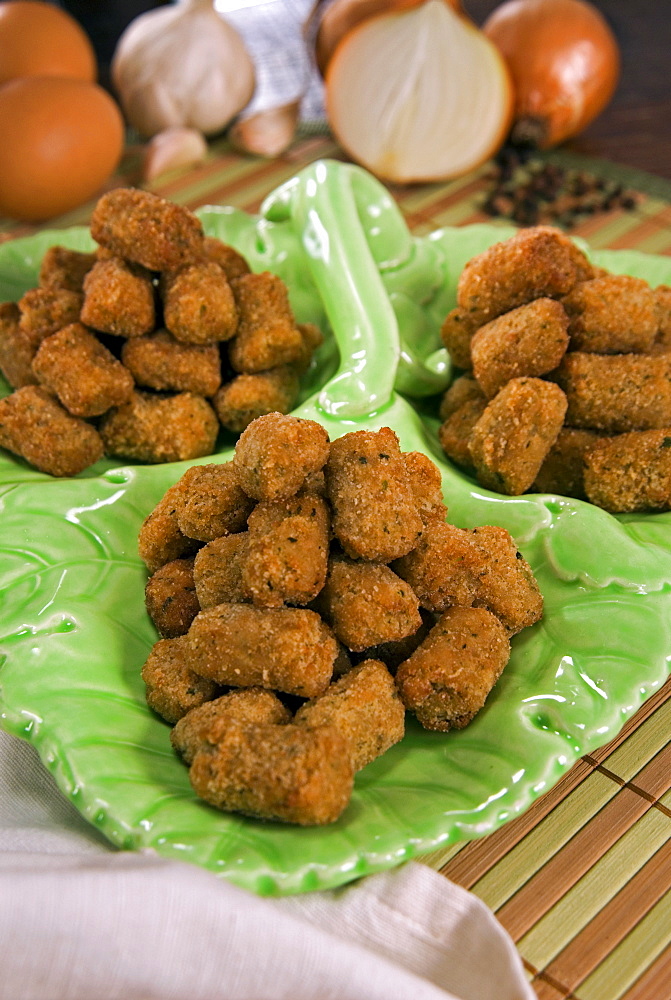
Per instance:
{"type": "Point", "coordinates": [446, 681]}
{"type": "Point", "coordinates": [85, 376]}
{"type": "Point", "coordinates": [170, 598]}
{"type": "Point", "coordinates": [456, 333]}
{"type": "Point", "coordinates": [118, 299]}
{"type": "Point", "coordinates": [563, 468]}
{"type": "Point", "coordinates": [444, 568]}
{"type": "Point", "coordinates": [509, 442]}
{"type": "Point", "coordinates": [247, 397]}
{"type": "Point", "coordinates": [363, 705]}
{"type": "Point", "coordinates": [611, 314]}
{"type": "Point", "coordinates": [455, 432]}
{"type": "Point", "coordinates": [535, 262]}
{"type": "Point", "coordinates": [529, 340]}
{"type": "Point", "coordinates": [616, 393]}
{"type": "Point", "coordinates": [464, 389]}
{"type": "Point", "coordinates": [287, 552]}
{"type": "Point", "coordinates": [217, 571]}
{"type": "Point", "coordinates": [366, 603]}
{"type": "Point", "coordinates": [204, 725]}
{"type": "Point", "coordinates": [211, 502]}
{"type": "Point", "coordinates": [506, 585]}
{"type": "Point", "coordinates": [290, 773]}
{"type": "Point", "coordinates": [142, 227]}
{"type": "Point", "coordinates": [426, 483]}
{"type": "Point", "coordinates": [17, 350]}
{"type": "Point", "coordinates": [285, 649]}
{"type": "Point", "coordinates": [65, 268]}
{"type": "Point", "coordinates": [34, 425]}
{"type": "Point", "coordinates": [276, 453]}
{"type": "Point", "coordinates": [172, 688]}
{"type": "Point", "coordinates": [198, 304]}
{"type": "Point", "coordinates": [630, 472]}
{"type": "Point", "coordinates": [267, 335]}
{"type": "Point", "coordinates": [160, 429]}
{"type": "Point", "coordinates": [44, 311]}
{"type": "Point", "coordinates": [232, 263]}
{"type": "Point", "coordinates": [375, 512]}
{"type": "Point", "coordinates": [160, 540]}
{"type": "Point", "coordinates": [159, 361]}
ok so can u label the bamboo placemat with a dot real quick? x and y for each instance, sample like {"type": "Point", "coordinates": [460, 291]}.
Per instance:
{"type": "Point", "coordinates": [582, 880]}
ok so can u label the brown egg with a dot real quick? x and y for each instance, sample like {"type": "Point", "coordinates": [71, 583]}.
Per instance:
{"type": "Point", "coordinates": [61, 140]}
{"type": "Point", "coordinates": [40, 39]}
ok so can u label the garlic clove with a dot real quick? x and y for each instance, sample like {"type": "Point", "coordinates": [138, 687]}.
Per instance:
{"type": "Point", "coordinates": [173, 148]}
{"type": "Point", "coordinates": [418, 95]}
{"type": "Point", "coordinates": [267, 133]}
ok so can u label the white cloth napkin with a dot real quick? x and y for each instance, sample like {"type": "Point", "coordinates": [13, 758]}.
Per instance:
{"type": "Point", "coordinates": [80, 920]}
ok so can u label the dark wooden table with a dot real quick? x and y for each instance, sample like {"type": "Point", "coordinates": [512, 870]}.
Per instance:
{"type": "Point", "coordinates": [635, 129]}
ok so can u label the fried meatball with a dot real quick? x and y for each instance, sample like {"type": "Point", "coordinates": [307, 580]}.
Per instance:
{"type": "Point", "coordinates": [290, 773]}
{"type": "Point", "coordinates": [276, 453]}
{"type": "Point", "coordinates": [446, 681]}
{"type": "Point", "coordinates": [529, 340]}
{"type": "Point", "coordinates": [142, 227]}
{"type": "Point", "coordinates": [375, 512]}
{"type": "Point", "coordinates": [172, 688]}
{"type": "Point", "coordinates": [285, 649]}
{"type": "Point", "coordinates": [509, 442]}
{"type": "Point", "coordinates": [160, 429]}
{"type": "Point", "coordinates": [170, 598]}
{"type": "Point", "coordinates": [203, 726]}
{"type": "Point", "coordinates": [85, 376]}
{"type": "Point", "coordinates": [363, 705]}
{"type": "Point", "coordinates": [34, 425]}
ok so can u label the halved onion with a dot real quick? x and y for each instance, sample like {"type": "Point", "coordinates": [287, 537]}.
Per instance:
{"type": "Point", "coordinates": [418, 94]}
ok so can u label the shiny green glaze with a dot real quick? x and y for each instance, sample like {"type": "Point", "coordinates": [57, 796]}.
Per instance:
{"type": "Point", "coordinates": [75, 633]}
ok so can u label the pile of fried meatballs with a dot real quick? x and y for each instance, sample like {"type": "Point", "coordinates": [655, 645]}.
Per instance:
{"type": "Point", "coordinates": [565, 383]}
{"type": "Point", "coordinates": [308, 593]}
{"type": "Point", "coordinates": [144, 348]}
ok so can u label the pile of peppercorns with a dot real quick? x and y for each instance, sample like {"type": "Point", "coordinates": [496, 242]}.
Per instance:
{"type": "Point", "coordinates": [530, 191]}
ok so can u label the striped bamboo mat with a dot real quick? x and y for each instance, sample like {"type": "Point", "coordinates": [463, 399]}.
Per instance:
{"type": "Point", "coordinates": [582, 880]}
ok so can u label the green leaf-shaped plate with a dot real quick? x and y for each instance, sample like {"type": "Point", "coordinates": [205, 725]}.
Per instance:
{"type": "Point", "coordinates": [75, 633]}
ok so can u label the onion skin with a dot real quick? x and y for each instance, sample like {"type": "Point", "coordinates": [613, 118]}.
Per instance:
{"type": "Point", "coordinates": [341, 16]}
{"type": "Point", "coordinates": [564, 62]}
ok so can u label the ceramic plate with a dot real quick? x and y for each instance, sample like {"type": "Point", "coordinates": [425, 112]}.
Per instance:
{"type": "Point", "coordinates": [75, 633]}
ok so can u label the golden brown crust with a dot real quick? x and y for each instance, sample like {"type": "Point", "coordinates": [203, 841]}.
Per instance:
{"type": "Point", "coordinates": [446, 681]}
{"type": "Point", "coordinates": [159, 361]}
{"type": "Point", "coordinates": [290, 773]}
{"type": "Point", "coordinates": [509, 442]}
{"type": "Point", "coordinates": [34, 425]}
{"type": "Point", "coordinates": [118, 299]}
{"type": "Point", "coordinates": [375, 513]}
{"type": "Point", "coordinates": [616, 393]}
{"type": "Point", "coordinates": [203, 726]}
{"type": "Point", "coordinates": [276, 453]}
{"type": "Point", "coordinates": [170, 598]}
{"type": "Point", "coordinates": [285, 649]}
{"type": "Point", "coordinates": [85, 376]}
{"type": "Point", "coordinates": [529, 340]}
{"type": "Point", "coordinates": [149, 230]}
{"type": "Point", "coordinates": [364, 705]}
{"type": "Point", "coordinates": [160, 429]}
{"type": "Point", "coordinates": [366, 603]}
{"type": "Point", "coordinates": [172, 688]}
{"type": "Point", "coordinates": [631, 472]}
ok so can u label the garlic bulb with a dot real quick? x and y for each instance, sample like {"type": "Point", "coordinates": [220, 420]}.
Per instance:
{"type": "Point", "coordinates": [182, 65]}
